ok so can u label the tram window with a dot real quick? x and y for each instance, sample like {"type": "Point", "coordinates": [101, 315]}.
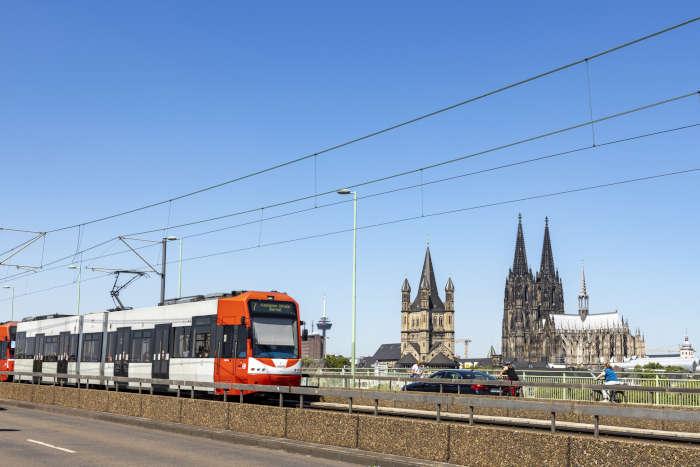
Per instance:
{"type": "Point", "coordinates": [92, 347]}
{"type": "Point", "coordinates": [3, 350]}
{"type": "Point", "coordinates": [29, 348]}
{"type": "Point", "coordinates": [20, 344]}
{"type": "Point", "coordinates": [111, 346]}
{"type": "Point", "coordinates": [50, 348]}
{"type": "Point", "coordinates": [135, 351]}
{"type": "Point", "coordinates": [146, 345]}
{"type": "Point", "coordinates": [202, 343]}
{"type": "Point", "coordinates": [182, 347]}
{"type": "Point", "coordinates": [204, 335]}
{"type": "Point", "coordinates": [73, 347]}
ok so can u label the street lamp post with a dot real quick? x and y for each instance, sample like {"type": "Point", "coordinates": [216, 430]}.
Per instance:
{"type": "Point", "coordinates": [162, 268]}
{"type": "Point", "coordinates": [12, 306]}
{"type": "Point", "coordinates": [80, 269]}
{"type": "Point", "coordinates": [353, 325]}
{"type": "Point", "coordinates": [179, 273]}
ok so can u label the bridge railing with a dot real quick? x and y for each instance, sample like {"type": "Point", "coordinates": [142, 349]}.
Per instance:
{"type": "Point", "coordinates": [648, 391]}
{"type": "Point", "coordinates": [437, 400]}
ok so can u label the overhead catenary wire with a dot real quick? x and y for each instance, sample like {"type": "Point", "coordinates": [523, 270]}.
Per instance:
{"type": "Point", "coordinates": [411, 218]}
{"type": "Point", "coordinates": [392, 127]}
{"type": "Point", "coordinates": [453, 160]}
{"type": "Point", "coordinates": [153, 243]}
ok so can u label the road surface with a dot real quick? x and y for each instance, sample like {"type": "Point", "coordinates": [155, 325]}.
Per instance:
{"type": "Point", "coordinates": [34, 437]}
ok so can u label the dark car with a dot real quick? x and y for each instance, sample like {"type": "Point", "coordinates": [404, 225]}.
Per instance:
{"type": "Point", "coordinates": [462, 382]}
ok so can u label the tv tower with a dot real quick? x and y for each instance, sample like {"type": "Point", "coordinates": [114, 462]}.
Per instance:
{"type": "Point", "coordinates": [324, 324]}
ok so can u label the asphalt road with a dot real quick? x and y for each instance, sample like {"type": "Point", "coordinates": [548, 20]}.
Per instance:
{"type": "Point", "coordinates": [34, 437]}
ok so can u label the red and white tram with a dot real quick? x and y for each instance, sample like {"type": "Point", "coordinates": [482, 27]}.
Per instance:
{"type": "Point", "coordinates": [241, 337]}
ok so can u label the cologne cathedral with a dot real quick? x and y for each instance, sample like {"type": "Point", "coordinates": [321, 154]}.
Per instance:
{"type": "Point", "coordinates": [536, 330]}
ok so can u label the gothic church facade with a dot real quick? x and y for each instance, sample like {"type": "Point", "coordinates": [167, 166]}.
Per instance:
{"type": "Point", "coordinates": [537, 330]}
{"type": "Point", "coordinates": [427, 322]}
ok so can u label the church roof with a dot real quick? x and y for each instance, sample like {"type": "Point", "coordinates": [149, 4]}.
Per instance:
{"type": "Point", "coordinates": [388, 352]}
{"type": "Point", "coordinates": [520, 257]}
{"type": "Point", "coordinates": [567, 322]}
{"type": "Point", "coordinates": [427, 281]}
{"type": "Point", "coordinates": [407, 359]}
{"type": "Point", "coordinates": [441, 360]}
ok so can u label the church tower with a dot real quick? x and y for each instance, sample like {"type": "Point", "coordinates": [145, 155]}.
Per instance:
{"type": "Point", "coordinates": [517, 302]}
{"type": "Point", "coordinates": [427, 323]}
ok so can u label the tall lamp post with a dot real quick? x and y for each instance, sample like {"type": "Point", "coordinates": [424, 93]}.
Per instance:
{"type": "Point", "coordinates": [80, 270]}
{"type": "Point", "coordinates": [346, 191]}
{"type": "Point", "coordinates": [12, 306]}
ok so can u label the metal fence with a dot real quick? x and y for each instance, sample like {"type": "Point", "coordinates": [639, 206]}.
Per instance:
{"type": "Point", "coordinates": [567, 386]}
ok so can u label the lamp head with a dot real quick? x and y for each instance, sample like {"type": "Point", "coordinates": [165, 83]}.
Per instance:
{"type": "Point", "coordinates": [170, 238]}
{"type": "Point", "coordinates": [344, 191]}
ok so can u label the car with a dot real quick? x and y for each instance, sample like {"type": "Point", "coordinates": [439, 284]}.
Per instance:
{"type": "Point", "coordinates": [462, 383]}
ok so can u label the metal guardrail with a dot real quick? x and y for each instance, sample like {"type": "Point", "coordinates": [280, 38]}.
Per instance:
{"type": "Point", "coordinates": [506, 383]}
{"type": "Point", "coordinates": [470, 402]}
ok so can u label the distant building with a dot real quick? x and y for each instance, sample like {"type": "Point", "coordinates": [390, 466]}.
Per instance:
{"type": "Point", "coordinates": [536, 329]}
{"type": "Point", "coordinates": [313, 347]}
{"type": "Point", "coordinates": [427, 323]}
{"type": "Point", "coordinates": [684, 358]}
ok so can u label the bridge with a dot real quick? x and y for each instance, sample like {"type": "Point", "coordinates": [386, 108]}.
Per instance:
{"type": "Point", "coordinates": [371, 426]}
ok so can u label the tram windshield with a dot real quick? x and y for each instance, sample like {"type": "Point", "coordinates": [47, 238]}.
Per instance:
{"type": "Point", "coordinates": [275, 334]}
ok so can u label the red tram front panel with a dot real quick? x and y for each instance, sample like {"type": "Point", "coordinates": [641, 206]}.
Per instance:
{"type": "Point", "coordinates": [260, 342]}
{"type": "Point", "coordinates": [7, 337]}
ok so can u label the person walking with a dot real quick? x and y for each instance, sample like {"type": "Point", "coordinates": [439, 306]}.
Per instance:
{"type": "Point", "coordinates": [609, 377]}
{"type": "Point", "coordinates": [508, 372]}
{"type": "Point", "coordinates": [416, 371]}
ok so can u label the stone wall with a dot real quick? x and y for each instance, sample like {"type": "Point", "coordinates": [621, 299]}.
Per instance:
{"type": "Point", "coordinates": [421, 439]}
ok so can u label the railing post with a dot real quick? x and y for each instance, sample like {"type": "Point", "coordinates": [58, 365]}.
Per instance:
{"type": "Point", "coordinates": [240, 396]}
{"type": "Point", "coordinates": [151, 389]}
{"type": "Point", "coordinates": [471, 415]}
{"type": "Point", "coordinates": [566, 390]}
{"type": "Point", "coordinates": [281, 400]}
{"type": "Point", "coordinates": [437, 412]}
{"type": "Point", "coordinates": [596, 425]}
{"type": "Point", "coordinates": [656, 394]}
{"type": "Point", "coordinates": [178, 391]}
{"type": "Point", "coordinates": [192, 393]}
{"type": "Point", "coordinates": [225, 392]}
{"type": "Point", "coordinates": [349, 404]}
{"type": "Point", "coordinates": [139, 387]}
{"type": "Point", "coordinates": [376, 406]}
{"type": "Point", "coordinates": [301, 401]}
{"type": "Point", "coordinates": [554, 422]}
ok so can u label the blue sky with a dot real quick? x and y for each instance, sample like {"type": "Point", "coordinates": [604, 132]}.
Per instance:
{"type": "Point", "coordinates": [106, 107]}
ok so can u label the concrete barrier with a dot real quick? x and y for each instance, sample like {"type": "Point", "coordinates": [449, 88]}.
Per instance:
{"type": "Point", "coordinates": [589, 452]}
{"type": "Point", "coordinates": [163, 408]}
{"type": "Point", "coordinates": [123, 403]}
{"type": "Point", "coordinates": [404, 437]}
{"type": "Point", "coordinates": [43, 395]}
{"type": "Point", "coordinates": [328, 428]}
{"type": "Point", "coordinates": [210, 414]}
{"type": "Point", "coordinates": [97, 400]}
{"type": "Point", "coordinates": [67, 397]}
{"type": "Point", "coordinates": [427, 440]}
{"type": "Point", "coordinates": [257, 419]}
{"type": "Point", "coordinates": [486, 446]}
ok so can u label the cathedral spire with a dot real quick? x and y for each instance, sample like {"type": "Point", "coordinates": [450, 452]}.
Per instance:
{"type": "Point", "coordinates": [583, 296]}
{"type": "Point", "coordinates": [547, 262]}
{"type": "Point", "coordinates": [520, 258]}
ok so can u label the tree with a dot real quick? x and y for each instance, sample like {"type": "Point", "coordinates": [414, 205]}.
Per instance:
{"type": "Point", "coordinates": [336, 361]}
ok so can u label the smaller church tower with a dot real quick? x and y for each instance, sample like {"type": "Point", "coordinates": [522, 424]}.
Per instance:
{"type": "Point", "coordinates": [583, 297]}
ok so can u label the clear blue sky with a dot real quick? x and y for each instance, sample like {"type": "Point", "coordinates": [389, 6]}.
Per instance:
{"type": "Point", "coordinates": [105, 107]}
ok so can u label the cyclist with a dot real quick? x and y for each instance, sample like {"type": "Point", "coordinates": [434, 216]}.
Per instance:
{"type": "Point", "coordinates": [609, 376]}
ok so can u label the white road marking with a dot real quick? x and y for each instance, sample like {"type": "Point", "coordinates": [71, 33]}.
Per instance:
{"type": "Point", "coordinates": [50, 446]}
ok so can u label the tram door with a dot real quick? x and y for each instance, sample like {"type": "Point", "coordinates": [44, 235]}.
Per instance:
{"type": "Point", "coordinates": [38, 357]}
{"type": "Point", "coordinates": [121, 353]}
{"type": "Point", "coordinates": [63, 355]}
{"type": "Point", "coordinates": [161, 351]}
